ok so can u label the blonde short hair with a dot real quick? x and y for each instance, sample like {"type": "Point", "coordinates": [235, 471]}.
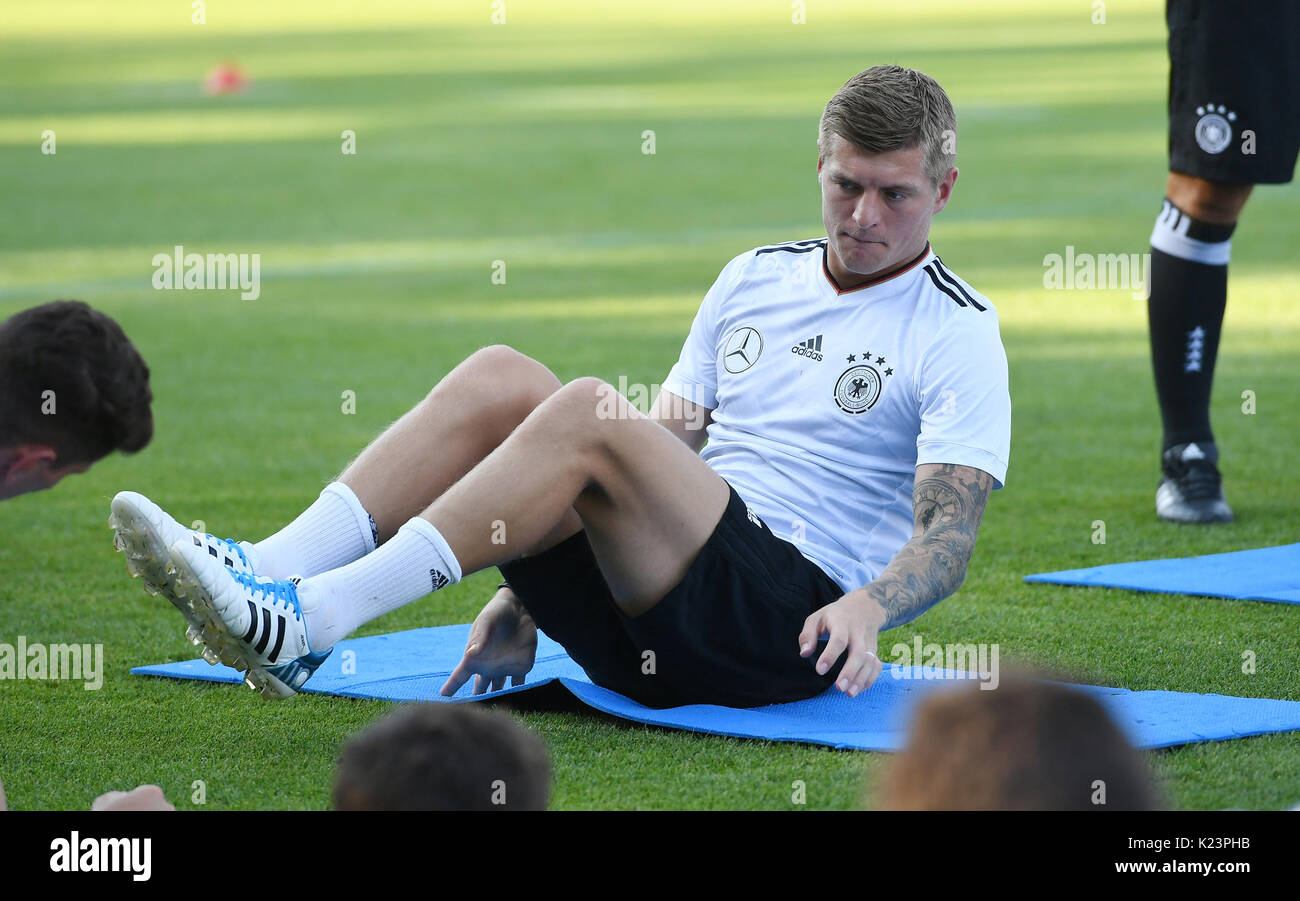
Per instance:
{"type": "Point", "coordinates": [888, 108]}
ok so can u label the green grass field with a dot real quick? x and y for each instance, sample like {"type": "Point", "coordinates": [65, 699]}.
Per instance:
{"type": "Point", "coordinates": [522, 142]}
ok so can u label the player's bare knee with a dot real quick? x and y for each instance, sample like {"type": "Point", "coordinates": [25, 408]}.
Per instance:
{"type": "Point", "coordinates": [595, 403]}
{"type": "Point", "coordinates": [574, 416]}
{"type": "Point", "coordinates": [505, 379]}
{"type": "Point", "coordinates": [603, 400]}
{"type": "Point", "coordinates": [576, 403]}
{"type": "Point", "coordinates": [502, 360]}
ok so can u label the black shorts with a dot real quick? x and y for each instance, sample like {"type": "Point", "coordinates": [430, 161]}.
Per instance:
{"type": "Point", "coordinates": [1234, 87]}
{"type": "Point", "coordinates": [727, 634]}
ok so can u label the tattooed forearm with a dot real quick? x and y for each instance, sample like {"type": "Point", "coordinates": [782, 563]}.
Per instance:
{"type": "Point", "coordinates": [948, 503]}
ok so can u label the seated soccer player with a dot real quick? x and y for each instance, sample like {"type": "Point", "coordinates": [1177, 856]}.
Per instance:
{"type": "Point", "coordinates": [853, 392]}
{"type": "Point", "coordinates": [72, 390]}
{"type": "Point", "coordinates": [1028, 745]}
{"type": "Point", "coordinates": [443, 757]}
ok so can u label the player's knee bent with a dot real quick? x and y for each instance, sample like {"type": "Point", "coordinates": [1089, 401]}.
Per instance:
{"type": "Point", "coordinates": [576, 411]}
{"type": "Point", "coordinates": [507, 382]}
{"type": "Point", "coordinates": [590, 398]}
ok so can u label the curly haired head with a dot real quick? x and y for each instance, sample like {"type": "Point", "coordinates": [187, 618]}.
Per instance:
{"type": "Point", "coordinates": [71, 379]}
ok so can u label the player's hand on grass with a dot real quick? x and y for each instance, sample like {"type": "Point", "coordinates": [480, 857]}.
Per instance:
{"type": "Point", "coordinates": [502, 643]}
{"type": "Point", "coordinates": [853, 623]}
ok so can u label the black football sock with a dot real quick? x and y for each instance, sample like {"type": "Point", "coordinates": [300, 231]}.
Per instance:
{"type": "Point", "coordinates": [1189, 290]}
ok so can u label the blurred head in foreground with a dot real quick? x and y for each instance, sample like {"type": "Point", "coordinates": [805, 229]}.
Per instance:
{"type": "Point", "coordinates": [73, 389]}
{"type": "Point", "coordinates": [1026, 745]}
{"type": "Point", "coordinates": [443, 757]}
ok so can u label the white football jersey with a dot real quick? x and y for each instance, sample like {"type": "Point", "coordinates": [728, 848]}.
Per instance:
{"type": "Point", "coordinates": [825, 402]}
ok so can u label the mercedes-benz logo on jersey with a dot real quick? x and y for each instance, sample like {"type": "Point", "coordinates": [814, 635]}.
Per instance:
{"type": "Point", "coordinates": [858, 387]}
{"type": "Point", "coordinates": [1213, 130]}
{"type": "Point", "coordinates": [743, 349]}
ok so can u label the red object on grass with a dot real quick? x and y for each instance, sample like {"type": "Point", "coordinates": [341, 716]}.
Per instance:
{"type": "Point", "coordinates": [226, 78]}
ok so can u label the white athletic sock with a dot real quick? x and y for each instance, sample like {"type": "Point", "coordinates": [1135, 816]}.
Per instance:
{"type": "Point", "coordinates": [413, 563]}
{"type": "Point", "coordinates": [332, 532]}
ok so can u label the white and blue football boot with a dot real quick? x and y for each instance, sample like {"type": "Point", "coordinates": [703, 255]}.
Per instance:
{"type": "Point", "coordinates": [251, 623]}
{"type": "Point", "coordinates": [144, 532]}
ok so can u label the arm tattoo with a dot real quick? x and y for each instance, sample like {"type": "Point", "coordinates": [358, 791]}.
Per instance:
{"type": "Point", "coordinates": [947, 503]}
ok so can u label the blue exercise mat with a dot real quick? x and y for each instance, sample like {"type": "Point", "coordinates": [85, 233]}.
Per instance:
{"type": "Point", "coordinates": [1266, 574]}
{"type": "Point", "coordinates": [413, 665]}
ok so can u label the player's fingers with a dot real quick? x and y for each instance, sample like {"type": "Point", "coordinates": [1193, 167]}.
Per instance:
{"type": "Point", "coordinates": [834, 647]}
{"type": "Point", "coordinates": [854, 680]}
{"type": "Point", "coordinates": [499, 683]}
{"type": "Point", "coordinates": [876, 665]}
{"type": "Point", "coordinates": [812, 630]}
{"type": "Point", "coordinates": [853, 661]}
{"type": "Point", "coordinates": [518, 680]}
{"type": "Point", "coordinates": [459, 676]}
{"type": "Point", "coordinates": [873, 672]}
{"type": "Point", "coordinates": [480, 685]}
{"type": "Point", "coordinates": [474, 643]}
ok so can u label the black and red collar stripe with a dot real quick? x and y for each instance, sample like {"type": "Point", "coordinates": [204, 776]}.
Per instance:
{"type": "Point", "coordinates": [879, 279]}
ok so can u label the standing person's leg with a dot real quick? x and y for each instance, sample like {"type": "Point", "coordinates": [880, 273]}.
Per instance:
{"type": "Point", "coordinates": [1189, 292]}
{"type": "Point", "coordinates": [1234, 122]}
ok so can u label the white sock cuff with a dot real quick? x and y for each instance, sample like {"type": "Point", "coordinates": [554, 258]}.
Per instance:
{"type": "Point", "coordinates": [1170, 236]}
{"type": "Point", "coordinates": [364, 523]}
{"type": "Point", "coordinates": [427, 531]}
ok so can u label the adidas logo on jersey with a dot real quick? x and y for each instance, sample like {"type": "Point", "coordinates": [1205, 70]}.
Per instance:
{"type": "Point", "coordinates": [811, 349]}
